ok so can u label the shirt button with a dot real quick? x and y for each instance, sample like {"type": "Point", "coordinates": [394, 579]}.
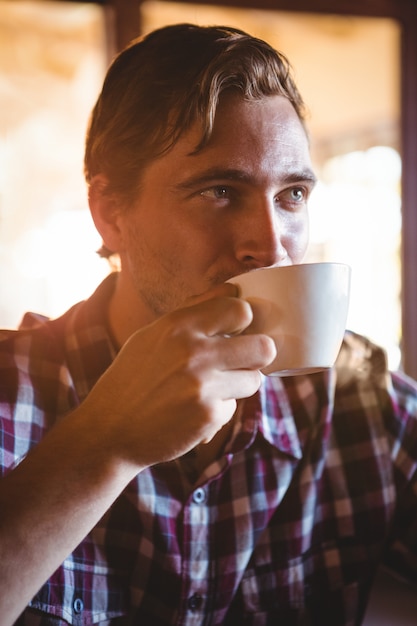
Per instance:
{"type": "Point", "coordinates": [194, 602]}
{"type": "Point", "coordinates": [199, 496]}
{"type": "Point", "coordinates": [78, 605]}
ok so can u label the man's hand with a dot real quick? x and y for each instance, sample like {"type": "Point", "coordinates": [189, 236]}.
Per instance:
{"type": "Point", "coordinates": [175, 382]}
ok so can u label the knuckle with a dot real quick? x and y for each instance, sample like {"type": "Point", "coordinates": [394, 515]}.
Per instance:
{"type": "Point", "coordinates": [243, 312]}
{"type": "Point", "coordinates": [270, 347]}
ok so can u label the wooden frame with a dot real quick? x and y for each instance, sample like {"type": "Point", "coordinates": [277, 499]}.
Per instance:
{"type": "Point", "coordinates": [127, 25]}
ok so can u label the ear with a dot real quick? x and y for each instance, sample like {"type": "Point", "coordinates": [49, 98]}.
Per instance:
{"type": "Point", "coordinates": [105, 212]}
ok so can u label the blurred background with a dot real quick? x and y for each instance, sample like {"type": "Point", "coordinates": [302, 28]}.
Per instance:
{"type": "Point", "coordinates": [53, 56]}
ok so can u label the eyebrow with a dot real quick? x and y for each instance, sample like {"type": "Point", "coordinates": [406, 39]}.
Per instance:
{"type": "Point", "coordinates": [236, 175]}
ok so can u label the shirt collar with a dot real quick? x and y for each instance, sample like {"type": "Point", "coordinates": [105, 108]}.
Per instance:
{"type": "Point", "coordinates": [286, 411]}
{"type": "Point", "coordinates": [89, 346]}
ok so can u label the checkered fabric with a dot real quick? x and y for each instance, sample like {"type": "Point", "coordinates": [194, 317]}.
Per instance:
{"type": "Point", "coordinates": [317, 485]}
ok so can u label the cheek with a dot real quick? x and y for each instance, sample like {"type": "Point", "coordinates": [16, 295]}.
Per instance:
{"type": "Point", "coordinates": [296, 238]}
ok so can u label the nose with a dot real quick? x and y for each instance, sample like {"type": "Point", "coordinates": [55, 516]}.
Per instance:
{"type": "Point", "coordinates": [262, 237]}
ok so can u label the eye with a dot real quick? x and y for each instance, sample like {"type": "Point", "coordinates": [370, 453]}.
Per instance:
{"type": "Point", "coordinates": [298, 194]}
{"type": "Point", "coordinates": [293, 198]}
{"type": "Point", "coordinates": [218, 192]}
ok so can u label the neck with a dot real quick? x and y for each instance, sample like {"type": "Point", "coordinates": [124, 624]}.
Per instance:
{"type": "Point", "coordinates": [127, 313]}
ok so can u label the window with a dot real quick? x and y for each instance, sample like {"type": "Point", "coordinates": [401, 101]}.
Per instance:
{"type": "Point", "coordinates": [52, 62]}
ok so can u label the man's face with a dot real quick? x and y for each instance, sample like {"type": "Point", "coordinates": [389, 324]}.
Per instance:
{"type": "Point", "coordinates": [238, 204]}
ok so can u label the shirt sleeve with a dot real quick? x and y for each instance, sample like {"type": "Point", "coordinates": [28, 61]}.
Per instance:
{"type": "Point", "coordinates": [401, 553]}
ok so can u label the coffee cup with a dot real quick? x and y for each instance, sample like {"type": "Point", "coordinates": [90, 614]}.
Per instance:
{"type": "Point", "coordinates": [303, 308]}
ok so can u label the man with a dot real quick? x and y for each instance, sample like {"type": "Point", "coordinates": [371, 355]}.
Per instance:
{"type": "Point", "coordinates": [153, 476]}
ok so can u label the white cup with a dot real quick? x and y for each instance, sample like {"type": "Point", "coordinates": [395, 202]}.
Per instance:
{"type": "Point", "coordinates": [303, 308]}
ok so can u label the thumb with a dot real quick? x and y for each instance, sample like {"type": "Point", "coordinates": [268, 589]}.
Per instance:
{"type": "Point", "coordinates": [224, 290]}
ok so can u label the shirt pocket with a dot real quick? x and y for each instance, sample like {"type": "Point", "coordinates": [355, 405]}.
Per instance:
{"type": "Point", "coordinates": [327, 584]}
{"type": "Point", "coordinates": [338, 575]}
{"type": "Point", "coordinates": [273, 594]}
{"type": "Point", "coordinates": [83, 595]}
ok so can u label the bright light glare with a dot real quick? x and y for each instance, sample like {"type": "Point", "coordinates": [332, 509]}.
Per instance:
{"type": "Point", "coordinates": [356, 219]}
{"type": "Point", "coordinates": [62, 257]}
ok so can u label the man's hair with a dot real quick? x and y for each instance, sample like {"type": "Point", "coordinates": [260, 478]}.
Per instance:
{"type": "Point", "coordinates": [162, 83]}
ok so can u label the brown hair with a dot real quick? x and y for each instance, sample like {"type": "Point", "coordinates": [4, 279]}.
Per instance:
{"type": "Point", "coordinates": [164, 82]}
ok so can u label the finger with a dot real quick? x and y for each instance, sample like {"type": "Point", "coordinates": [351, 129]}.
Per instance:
{"type": "Point", "coordinates": [223, 290]}
{"type": "Point", "coordinates": [252, 352]}
{"type": "Point", "coordinates": [240, 384]}
{"type": "Point", "coordinates": [219, 316]}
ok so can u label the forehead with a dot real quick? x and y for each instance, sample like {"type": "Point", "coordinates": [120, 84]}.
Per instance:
{"type": "Point", "coordinates": [264, 139]}
{"type": "Point", "coordinates": [269, 111]}
{"type": "Point", "coordinates": [268, 128]}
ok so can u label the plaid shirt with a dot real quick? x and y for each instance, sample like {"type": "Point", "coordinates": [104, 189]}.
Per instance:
{"type": "Point", "coordinates": [315, 488]}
